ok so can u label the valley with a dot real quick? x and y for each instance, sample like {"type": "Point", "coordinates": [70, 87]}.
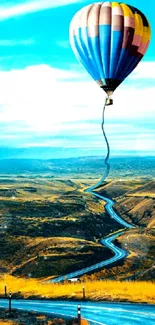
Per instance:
{"type": "Point", "coordinates": [50, 226]}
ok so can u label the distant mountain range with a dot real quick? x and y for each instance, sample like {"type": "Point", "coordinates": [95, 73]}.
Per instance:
{"type": "Point", "coordinates": [91, 166]}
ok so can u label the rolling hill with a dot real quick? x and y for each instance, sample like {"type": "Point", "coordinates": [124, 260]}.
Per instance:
{"type": "Point", "coordinates": [50, 226]}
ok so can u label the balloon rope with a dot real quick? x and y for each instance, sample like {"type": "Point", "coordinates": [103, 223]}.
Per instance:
{"type": "Point", "coordinates": [107, 143]}
{"type": "Point", "coordinates": [106, 158]}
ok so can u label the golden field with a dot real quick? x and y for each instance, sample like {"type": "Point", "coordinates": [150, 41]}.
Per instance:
{"type": "Point", "coordinates": [6, 323]}
{"type": "Point", "coordinates": [140, 292]}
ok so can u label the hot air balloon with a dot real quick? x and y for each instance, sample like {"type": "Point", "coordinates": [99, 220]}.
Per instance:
{"type": "Point", "coordinates": [109, 39]}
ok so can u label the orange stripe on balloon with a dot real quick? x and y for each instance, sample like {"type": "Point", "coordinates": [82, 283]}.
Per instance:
{"type": "Point", "coordinates": [129, 22]}
{"type": "Point", "coordinates": [106, 4]}
{"type": "Point", "coordinates": [93, 20]}
{"type": "Point", "coordinates": [79, 20]}
{"type": "Point", "coordinates": [143, 47]}
{"type": "Point", "coordinates": [83, 22]}
{"type": "Point", "coordinates": [117, 23]}
{"type": "Point", "coordinates": [137, 40]}
{"type": "Point", "coordinates": [105, 14]}
{"type": "Point", "coordinates": [117, 17]}
{"type": "Point", "coordinates": [117, 10]}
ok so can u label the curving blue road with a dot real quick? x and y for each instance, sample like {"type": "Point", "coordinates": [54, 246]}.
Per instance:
{"type": "Point", "coordinates": [109, 208]}
{"type": "Point", "coordinates": [95, 312]}
{"type": "Point", "coordinates": [108, 242]}
{"type": "Point", "coordinates": [118, 254]}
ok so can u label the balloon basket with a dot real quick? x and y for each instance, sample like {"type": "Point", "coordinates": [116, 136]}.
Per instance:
{"type": "Point", "coordinates": [109, 101]}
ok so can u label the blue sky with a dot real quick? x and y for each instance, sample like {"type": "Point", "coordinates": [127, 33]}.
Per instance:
{"type": "Point", "coordinates": [47, 99]}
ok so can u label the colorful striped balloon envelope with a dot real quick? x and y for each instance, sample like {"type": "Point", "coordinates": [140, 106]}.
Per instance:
{"type": "Point", "coordinates": [109, 39]}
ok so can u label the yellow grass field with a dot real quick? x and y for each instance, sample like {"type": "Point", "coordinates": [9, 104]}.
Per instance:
{"type": "Point", "coordinates": [6, 323]}
{"type": "Point", "coordinates": [140, 292]}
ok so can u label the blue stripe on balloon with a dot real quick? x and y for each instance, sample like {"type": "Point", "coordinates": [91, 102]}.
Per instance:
{"type": "Point", "coordinates": [95, 50]}
{"type": "Point", "coordinates": [81, 56]}
{"type": "Point", "coordinates": [127, 65]}
{"type": "Point", "coordinates": [124, 57]}
{"type": "Point", "coordinates": [86, 45]}
{"type": "Point", "coordinates": [116, 47]}
{"type": "Point", "coordinates": [132, 65]}
{"type": "Point", "coordinates": [105, 44]}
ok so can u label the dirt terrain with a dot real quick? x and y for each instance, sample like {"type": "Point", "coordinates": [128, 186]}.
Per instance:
{"type": "Point", "coordinates": [52, 226]}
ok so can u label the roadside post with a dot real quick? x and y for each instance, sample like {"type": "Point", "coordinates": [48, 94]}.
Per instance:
{"type": "Point", "coordinates": [79, 315]}
{"type": "Point", "coordinates": [5, 290]}
{"type": "Point", "coordinates": [84, 292]}
{"type": "Point", "coordinates": [10, 298]}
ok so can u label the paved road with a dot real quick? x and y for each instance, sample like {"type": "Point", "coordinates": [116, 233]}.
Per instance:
{"type": "Point", "coordinates": [108, 242]}
{"type": "Point", "coordinates": [109, 208]}
{"type": "Point", "coordinates": [95, 312]}
{"type": "Point", "coordinates": [118, 254]}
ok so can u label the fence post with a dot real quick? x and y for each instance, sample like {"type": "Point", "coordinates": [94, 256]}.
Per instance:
{"type": "Point", "coordinates": [5, 290]}
{"type": "Point", "coordinates": [84, 292]}
{"type": "Point", "coordinates": [10, 298]}
{"type": "Point", "coordinates": [79, 315]}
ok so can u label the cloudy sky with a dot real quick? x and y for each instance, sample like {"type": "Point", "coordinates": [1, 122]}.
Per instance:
{"type": "Point", "coordinates": [48, 102]}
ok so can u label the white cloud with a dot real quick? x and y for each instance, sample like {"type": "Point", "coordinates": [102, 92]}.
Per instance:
{"type": "Point", "coordinates": [42, 103]}
{"type": "Point", "coordinates": [144, 70]}
{"type": "Point", "coordinates": [144, 142]}
{"type": "Point", "coordinates": [14, 42]}
{"type": "Point", "coordinates": [32, 6]}
{"type": "Point", "coordinates": [40, 95]}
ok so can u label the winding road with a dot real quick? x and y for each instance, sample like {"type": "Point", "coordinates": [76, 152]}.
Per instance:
{"type": "Point", "coordinates": [108, 242]}
{"type": "Point", "coordinates": [95, 312]}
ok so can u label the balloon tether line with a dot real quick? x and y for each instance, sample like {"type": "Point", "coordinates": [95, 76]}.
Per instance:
{"type": "Point", "coordinates": [101, 181]}
{"type": "Point", "coordinates": [107, 143]}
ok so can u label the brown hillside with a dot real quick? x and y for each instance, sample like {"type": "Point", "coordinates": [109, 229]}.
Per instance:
{"type": "Point", "coordinates": [140, 245]}
{"type": "Point", "coordinates": [41, 257]}
{"type": "Point", "coordinates": [134, 200]}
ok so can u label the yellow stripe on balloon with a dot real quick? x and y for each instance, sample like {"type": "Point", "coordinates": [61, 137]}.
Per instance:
{"type": "Point", "coordinates": [146, 34]}
{"type": "Point", "coordinates": [138, 30]}
{"type": "Point", "coordinates": [127, 11]}
{"type": "Point", "coordinates": [115, 4]}
{"type": "Point", "coordinates": [149, 32]}
{"type": "Point", "coordinates": [138, 25]}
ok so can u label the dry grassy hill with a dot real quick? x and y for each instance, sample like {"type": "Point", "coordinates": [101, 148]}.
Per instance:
{"type": "Point", "coordinates": [135, 200]}
{"type": "Point", "coordinates": [51, 226]}
{"type": "Point", "coordinates": [43, 257]}
{"type": "Point", "coordinates": [139, 264]}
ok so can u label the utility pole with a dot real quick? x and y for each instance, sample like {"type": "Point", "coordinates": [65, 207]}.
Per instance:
{"type": "Point", "coordinates": [84, 292]}
{"type": "Point", "coordinates": [5, 290]}
{"type": "Point", "coordinates": [10, 298]}
{"type": "Point", "coordinates": [79, 315]}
